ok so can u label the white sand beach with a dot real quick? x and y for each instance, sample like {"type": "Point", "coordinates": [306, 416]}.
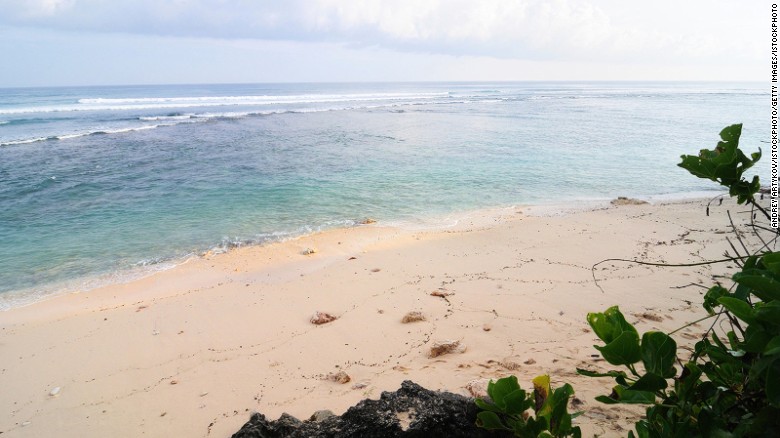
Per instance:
{"type": "Point", "coordinates": [193, 350]}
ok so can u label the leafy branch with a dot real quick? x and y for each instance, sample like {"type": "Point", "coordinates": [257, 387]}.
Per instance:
{"type": "Point", "coordinates": [509, 406]}
{"type": "Point", "coordinates": [730, 386]}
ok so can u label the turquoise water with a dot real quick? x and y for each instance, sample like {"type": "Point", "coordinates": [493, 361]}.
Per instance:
{"type": "Point", "coordinates": [97, 182]}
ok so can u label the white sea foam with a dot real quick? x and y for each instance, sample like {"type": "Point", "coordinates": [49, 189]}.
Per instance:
{"type": "Point", "coordinates": [69, 136]}
{"type": "Point", "coordinates": [83, 134]}
{"type": "Point", "coordinates": [159, 118]}
{"type": "Point", "coordinates": [4, 122]}
{"type": "Point", "coordinates": [178, 119]}
{"type": "Point", "coordinates": [303, 98]}
{"type": "Point", "coordinates": [25, 297]}
{"type": "Point", "coordinates": [152, 103]}
{"type": "Point", "coordinates": [137, 128]}
{"type": "Point", "coordinates": [23, 141]}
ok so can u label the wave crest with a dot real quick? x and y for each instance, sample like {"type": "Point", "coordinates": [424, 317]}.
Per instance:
{"type": "Point", "coordinates": [179, 119]}
{"type": "Point", "coordinates": [153, 103]}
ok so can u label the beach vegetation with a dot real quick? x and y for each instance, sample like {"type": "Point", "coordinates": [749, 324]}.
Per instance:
{"type": "Point", "coordinates": [726, 165]}
{"type": "Point", "coordinates": [728, 384]}
{"type": "Point", "coordinates": [509, 409]}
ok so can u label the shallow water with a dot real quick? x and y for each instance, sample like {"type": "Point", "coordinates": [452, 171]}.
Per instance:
{"type": "Point", "coordinates": [99, 182]}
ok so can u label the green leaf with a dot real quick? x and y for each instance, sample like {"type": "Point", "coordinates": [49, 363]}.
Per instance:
{"type": "Point", "coordinates": [624, 350]}
{"type": "Point", "coordinates": [482, 404]}
{"type": "Point", "coordinates": [556, 410]}
{"type": "Point", "coordinates": [621, 394]}
{"type": "Point", "coordinates": [711, 298]}
{"type": "Point", "coordinates": [733, 340]}
{"type": "Point", "coordinates": [490, 421]}
{"type": "Point", "coordinates": [717, 341]}
{"type": "Point", "coordinates": [609, 325]}
{"type": "Point", "coordinates": [768, 312]}
{"type": "Point", "coordinates": [771, 262]}
{"type": "Point", "coordinates": [731, 134]}
{"type": "Point", "coordinates": [726, 164]}
{"type": "Point", "coordinates": [516, 402]}
{"type": "Point", "coordinates": [707, 389]}
{"type": "Point", "coordinates": [773, 383]}
{"type": "Point", "coordinates": [649, 382]}
{"type": "Point", "coordinates": [720, 356]}
{"type": "Point", "coordinates": [773, 347]}
{"type": "Point", "coordinates": [742, 292]}
{"type": "Point", "coordinates": [750, 263]}
{"type": "Point", "coordinates": [534, 426]}
{"type": "Point", "coordinates": [642, 429]}
{"type": "Point", "coordinates": [764, 287]}
{"type": "Point", "coordinates": [706, 422]}
{"type": "Point", "coordinates": [761, 366]}
{"type": "Point", "coordinates": [659, 352]}
{"type": "Point", "coordinates": [688, 381]}
{"type": "Point", "coordinates": [607, 400]}
{"type": "Point", "coordinates": [719, 164]}
{"type": "Point", "coordinates": [625, 395]}
{"type": "Point", "coordinates": [562, 395]}
{"type": "Point", "coordinates": [739, 308]}
{"type": "Point", "coordinates": [756, 339]}
{"type": "Point", "coordinates": [501, 388]}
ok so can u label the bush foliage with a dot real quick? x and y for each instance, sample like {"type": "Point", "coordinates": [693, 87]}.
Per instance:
{"type": "Point", "coordinates": [509, 404]}
{"type": "Point", "coordinates": [728, 387]}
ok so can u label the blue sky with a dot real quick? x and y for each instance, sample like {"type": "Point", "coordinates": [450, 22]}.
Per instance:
{"type": "Point", "coordinates": [96, 42]}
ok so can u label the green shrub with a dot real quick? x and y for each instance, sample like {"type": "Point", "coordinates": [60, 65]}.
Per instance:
{"type": "Point", "coordinates": [727, 387]}
{"type": "Point", "coordinates": [730, 384]}
{"type": "Point", "coordinates": [509, 409]}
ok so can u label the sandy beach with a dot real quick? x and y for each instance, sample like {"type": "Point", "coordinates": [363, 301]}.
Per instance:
{"type": "Point", "coordinates": [192, 351]}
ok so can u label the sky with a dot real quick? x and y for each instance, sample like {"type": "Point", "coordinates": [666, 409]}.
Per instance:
{"type": "Point", "coordinates": [114, 42]}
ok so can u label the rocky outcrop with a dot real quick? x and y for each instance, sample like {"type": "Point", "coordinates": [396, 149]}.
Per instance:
{"type": "Point", "coordinates": [411, 411]}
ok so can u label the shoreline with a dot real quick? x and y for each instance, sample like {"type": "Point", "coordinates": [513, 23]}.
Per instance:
{"type": "Point", "coordinates": [14, 299]}
{"type": "Point", "coordinates": [191, 351]}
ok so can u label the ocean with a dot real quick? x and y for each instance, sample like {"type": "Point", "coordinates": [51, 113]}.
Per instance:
{"type": "Point", "coordinates": [101, 184]}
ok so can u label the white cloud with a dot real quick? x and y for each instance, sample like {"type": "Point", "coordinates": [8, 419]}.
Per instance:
{"type": "Point", "coordinates": [34, 9]}
{"type": "Point", "coordinates": [505, 28]}
{"type": "Point", "coordinates": [588, 30]}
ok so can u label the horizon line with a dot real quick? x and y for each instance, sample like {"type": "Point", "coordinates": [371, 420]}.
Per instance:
{"type": "Point", "coordinates": [667, 81]}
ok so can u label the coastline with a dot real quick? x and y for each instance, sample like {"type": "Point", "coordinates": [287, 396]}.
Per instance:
{"type": "Point", "coordinates": [192, 350]}
{"type": "Point", "coordinates": [13, 299]}
{"type": "Point", "coordinates": [129, 197]}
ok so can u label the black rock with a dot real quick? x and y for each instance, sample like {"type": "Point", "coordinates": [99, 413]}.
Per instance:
{"type": "Point", "coordinates": [412, 411]}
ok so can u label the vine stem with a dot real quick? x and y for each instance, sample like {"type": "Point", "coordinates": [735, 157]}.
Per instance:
{"type": "Point", "coordinates": [760, 208]}
{"type": "Point", "coordinates": [668, 265]}
{"type": "Point", "coordinates": [692, 323]}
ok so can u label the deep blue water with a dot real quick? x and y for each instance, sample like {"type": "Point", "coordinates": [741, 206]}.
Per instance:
{"type": "Point", "coordinates": [101, 181]}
